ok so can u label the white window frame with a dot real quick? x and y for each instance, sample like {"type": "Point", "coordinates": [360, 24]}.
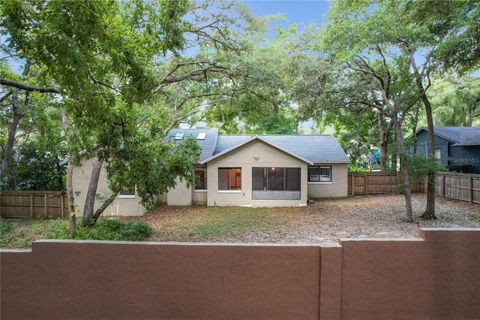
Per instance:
{"type": "Point", "coordinates": [127, 196]}
{"type": "Point", "coordinates": [320, 167]}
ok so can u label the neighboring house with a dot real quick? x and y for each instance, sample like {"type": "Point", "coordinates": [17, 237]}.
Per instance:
{"type": "Point", "coordinates": [245, 170]}
{"type": "Point", "coordinates": [458, 148]}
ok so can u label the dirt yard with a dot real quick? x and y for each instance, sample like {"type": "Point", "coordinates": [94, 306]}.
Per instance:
{"type": "Point", "coordinates": [360, 217]}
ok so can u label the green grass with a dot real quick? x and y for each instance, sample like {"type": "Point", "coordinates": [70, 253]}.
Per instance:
{"type": "Point", "coordinates": [224, 221]}
{"type": "Point", "coordinates": [20, 233]}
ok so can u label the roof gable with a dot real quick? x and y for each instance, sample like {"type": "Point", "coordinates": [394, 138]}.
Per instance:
{"type": "Point", "coordinates": [251, 139]}
{"type": "Point", "coordinates": [461, 136]}
{"type": "Point", "coordinates": [308, 148]}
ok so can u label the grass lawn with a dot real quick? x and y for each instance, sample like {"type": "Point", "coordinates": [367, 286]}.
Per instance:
{"type": "Point", "coordinates": [377, 216]}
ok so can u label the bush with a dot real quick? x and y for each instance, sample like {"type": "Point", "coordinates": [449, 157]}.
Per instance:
{"type": "Point", "coordinates": [5, 226]}
{"type": "Point", "coordinates": [105, 229]}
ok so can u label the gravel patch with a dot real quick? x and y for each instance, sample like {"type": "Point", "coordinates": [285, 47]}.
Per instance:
{"type": "Point", "coordinates": [377, 216]}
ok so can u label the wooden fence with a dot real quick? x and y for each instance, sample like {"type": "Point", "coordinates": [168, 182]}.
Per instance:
{"type": "Point", "coordinates": [377, 182]}
{"type": "Point", "coordinates": [464, 187]}
{"type": "Point", "coordinates": [50, 204]}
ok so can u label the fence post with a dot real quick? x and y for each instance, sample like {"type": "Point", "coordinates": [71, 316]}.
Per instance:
{"type": "Point", "coordinates": [61, 204]}
{"type": "Point", "coordinates": [443, 185]}
{"type": "Point", "coordinates": [31, 205]}
{"type": "Point", "coordinates": [470, 190]}
{"type": "Point", "coordinates": [353, 184]}
{"type": "Point", "coordinates": [366, 184]}
{"type": "Point", "coordinates": [46, 205]}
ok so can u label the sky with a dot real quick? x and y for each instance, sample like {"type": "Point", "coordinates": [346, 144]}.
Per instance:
{"type": "Point", "coordinates": [313, 11]}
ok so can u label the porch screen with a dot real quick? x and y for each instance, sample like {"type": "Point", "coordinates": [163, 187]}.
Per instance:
{"type": "Point", "coordinates": [229, 178]}
{"type": "Point", "coordinates": [276, 179]}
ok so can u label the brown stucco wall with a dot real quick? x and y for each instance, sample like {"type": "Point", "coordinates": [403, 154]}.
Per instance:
{"type": "Point", "coordinates": [82, 280]}
{"type": "Point", "coordinates": [432, 278]}
{"type": "Point", "coordinates": [437, 278]}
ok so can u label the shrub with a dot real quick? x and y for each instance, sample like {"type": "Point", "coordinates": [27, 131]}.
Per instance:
{"type": "Point", "coordinates": [105, 229]}
{"type": "Point", "coordinates": [5, 226]}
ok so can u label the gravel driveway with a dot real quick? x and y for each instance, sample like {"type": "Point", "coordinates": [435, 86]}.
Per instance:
{"type": "Point", "coordinates": [378, 216]}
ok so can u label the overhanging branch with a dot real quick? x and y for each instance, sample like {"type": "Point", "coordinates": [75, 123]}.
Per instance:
{"type": "Point", "coordinates": [27, 87]}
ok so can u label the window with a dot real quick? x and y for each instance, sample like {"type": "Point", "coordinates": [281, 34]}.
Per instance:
{"type": "Point", "coordinates": [438, 154]}
{"type": "Point", "coordinates": [320, 174]}
{"type": "Point", "coordinates": [200, 179]}
{"type": "Point", "coordinates": [178, 136]}
{"type": "Point", "coordinates": [276, 179]}
{"type": "Point", "coordinates": [127, 193]}
{"type": "Point", "coordinates": [229, 178]}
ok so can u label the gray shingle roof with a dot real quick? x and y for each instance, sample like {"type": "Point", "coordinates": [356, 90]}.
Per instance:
{"type": "Point", "coordinates": [462, 136]}
{"type": "Point", "coordinates": [315, 148]}
{"type": "Point", "coordinates": [207, 145]}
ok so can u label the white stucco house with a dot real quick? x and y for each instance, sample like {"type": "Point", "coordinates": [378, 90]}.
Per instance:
{"type": "Point", "coordinates": [244, 170]}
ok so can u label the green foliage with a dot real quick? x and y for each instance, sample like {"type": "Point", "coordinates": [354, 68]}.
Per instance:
{"type": "Point", "coordinates": [35, 169]}
{"type": "Point", "coordinates": [455, 26]}
{"type": "Point", "coordinates": [356, 168]}
{"type": "Point", "coordinates": [419, 167]}
{"type": "Point", "coordinates": [5, 226]}
{"type": "Point", "coordinates": [20, 233]}
{"type": "Point", "coordinates": [105, 229]}
{"type": "Point", "coordinates": [456, 101]}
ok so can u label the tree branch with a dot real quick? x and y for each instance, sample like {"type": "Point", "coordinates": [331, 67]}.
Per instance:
{"type": "Point", "coordinates": [27, 87]}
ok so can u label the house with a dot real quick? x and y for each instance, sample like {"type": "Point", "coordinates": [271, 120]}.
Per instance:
{"type": "Point", "coordinates": [458, 148]}
{"type": "Point", "coordinates": [245, 170]}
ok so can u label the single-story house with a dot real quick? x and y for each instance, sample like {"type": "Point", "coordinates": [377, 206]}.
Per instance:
{"type": "Point", "coordinates": [458, 148]}
{"type": "Point", "coordinates": [244, 170]}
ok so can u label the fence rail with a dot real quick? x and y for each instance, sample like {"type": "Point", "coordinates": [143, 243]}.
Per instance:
{"type": "Point", "coordinates": [377, 183]}
{"type": "Point", "coordinates": [52, 204]}
{"type": "Point", "coordinates": [464, 187]}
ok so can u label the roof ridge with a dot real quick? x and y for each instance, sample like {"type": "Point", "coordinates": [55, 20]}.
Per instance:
{"type": "Point", "coordinates": [277, 134]}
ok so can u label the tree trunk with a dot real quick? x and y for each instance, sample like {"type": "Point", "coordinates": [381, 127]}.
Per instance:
{"type": "Point", "coordinates": [404, 170]}
{"type": "Point", "coordinates": [104, 206]}
{"type": "Point", "coordinates": [429, 212]}
{"type": "Point", "coordinates": [414, 131]}
{"type": "Point", "coordinates": [430, 209]}
{"type": "Point", "coordinates": [72, 219]}
{"type": "Point", "coordinates": [383, 142]}
{"type": "Point", "coordinates": [91, 193]}
{"type": "Point", "coordinates": [12, 132]}
{"type": "Point", "coordinates": [72, 222]}
{"type": "Point", "coordinates": [17, 116]}
{"type": "Point", "coordinates": [393, 164]}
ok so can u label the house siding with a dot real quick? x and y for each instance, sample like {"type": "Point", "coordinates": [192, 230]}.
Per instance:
{"type": "Point", "coordinates": [119, 207]}
{"type": "Point", "coordinates": [450, 155]}
{"type": "Point", "coordinates": [252, 154]}
{"type": "Point", "coordinates": [466, 155]}
{"type": "Point", "coordinates": [335, 189]}
{"type": "Point", "coordinates": [440, 143]}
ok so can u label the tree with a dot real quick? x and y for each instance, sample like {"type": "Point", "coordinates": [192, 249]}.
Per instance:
{"type": "Point", "coordinates": [103, 60]}
{"type": "Point", "coordinates": [454, 26]}
{"type": "Point", "coordinates": [456, 100]}
{"type": "Point", "coordinates": [386, 25]}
